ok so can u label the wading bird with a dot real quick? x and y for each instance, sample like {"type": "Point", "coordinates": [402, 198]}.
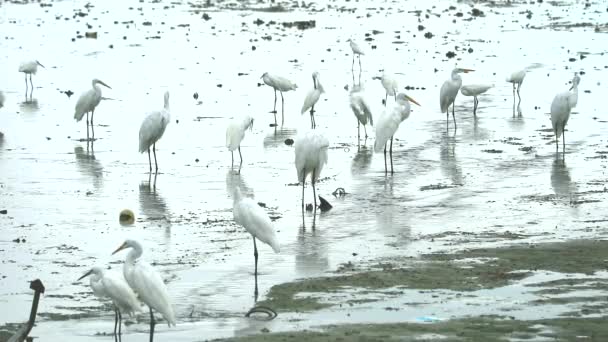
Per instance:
{"type": "Point", "coordinates": [361, 110]}
{"type": "Point", "coordinates": [254, 219]}
{"type": "Point", "coordinates": [517, 78]}
{"type": "Point", "coordinates": [235, 132]}
{"type": "Point", "coordinates": [388, 123]}
{"type": "Point", "coordinates": [29, 67]}
{"type": "Point", "coordinates": [112, 285]}
{"type": "Point", "coordinates": [448, 92]}
{"type": "Point", "coordinates": [147, 284]}
{"type": "Point", "coordinates": [152, 129]}
{"type": "Point", "coordinates": [560, 111]}
{"type": "Point", "coordinates": [311, 155]}
{"type": "Point", "coordinates": [281, 84]}
{"type": "Point", "coordinates": [390, 86]}
{"type": "Point", "coordinates": [87, 103]}
{"type": "Point", "coordinates": [312, 98]}
{"type": "Point", "coordinates": [356, 51]}
{"type": "Point", "coordinates": [475, 90]}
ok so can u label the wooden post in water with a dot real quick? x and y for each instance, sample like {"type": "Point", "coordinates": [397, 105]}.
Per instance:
{"type": "Point", "coordinates": [21, 334]}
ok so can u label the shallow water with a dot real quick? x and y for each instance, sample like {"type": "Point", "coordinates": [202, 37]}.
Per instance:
{"type": "Point", "coordinates": [64, 196]}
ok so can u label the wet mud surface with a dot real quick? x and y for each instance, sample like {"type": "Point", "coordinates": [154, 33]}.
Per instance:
{"type": "Point", "coordinates": [483, 232]}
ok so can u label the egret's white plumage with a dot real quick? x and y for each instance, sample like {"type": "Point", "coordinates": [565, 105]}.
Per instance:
{"type": "Point", "coordinates": [560, 111]}
{"type": "Point", "coordinates": [448, 92]}
{"type": "Point", "coordinates": [356, 51]}
{"type": "Point", "coordinates": [235, 132]}
{"type": "Point", "coordinates": [361, 109]}
{"type": "Point", "coordinates": [108, 284]}
{"type": "Point", "coordinates": [87, 102]}
{"type": "Point", "coordinates": [152, 129]}
{"type": "Point", "coordinates": [517, 78]}
{"type": "Point", "coordinates": [390, 86]}
{"type": "Point", "coordinates": [312, 98]}
{"type": "Point", "coordinates": [253, 218]}
{"type": "Point", "coordinates": [475, 90]}
{"type": "Point", "coordinates": [388, 123]}
{"type": "Point", "coordinates": [147, 283]}
{"type": "Point", "coordinates": [311, 155]}
{"type": "Point", "coordinates": [281, 84]}
{"type": "Point", "coordinates": [31, 68]}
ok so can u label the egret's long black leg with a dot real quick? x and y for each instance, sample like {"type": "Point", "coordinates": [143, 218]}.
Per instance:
{"type": "Point", "coordinates": [149, 160]}
{"type": "Point", "coordinates": [152, 324]}
{"type": "Point", "coordinates": [282, 109]}
{"type": "Point", "coordinates": [255, 255]}
{"type": "Point", "coordinates": [391, 155]}
{"type": "Point", "coordinates": [155, 162]}
{"type": "Point", "coordinates": [385, 168]}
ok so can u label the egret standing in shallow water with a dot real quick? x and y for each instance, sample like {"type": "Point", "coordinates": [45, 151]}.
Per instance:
{"type": "Point", "coordinates": [389, 122]}
{"type": "Point", "coordinates": [147, 284]}
{"type": "Point", "coordinates": [87, 103]}
{"type": "Point", "coordinates": [113, 286]}
{"type": "Point", "coordinates": [390, 86]}
{"type": "Point", "coordinates": [281, 84]}
{"type": "Point", "coordinates": [152, 129]}
{"type": "Point", "coordinates": [312, 98]}
{"type": "Point", "coordinates": [448, 92]}
{"type": "Point", "coordinates": [311, 155]}
{"type": "Point", "coordinates": [560, 111]}
{"type": "Point", "coordinates": [517, 78]}
{"type": "Point", "coordinates": [29, 67]}
{"type": "Point", "coordinates": [475, 90]}
{"type": "Point", "coordinates": [254, 219]}
{"type": "Point", "coordinates": [356, 51]}
{"type": "Point", "coordinates": [361, 110]}
{"type": "Point", "coordinates": [235, 132]}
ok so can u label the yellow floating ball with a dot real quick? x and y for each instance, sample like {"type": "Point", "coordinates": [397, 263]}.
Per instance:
{"type": "Point", "coordinates": [126, 217]}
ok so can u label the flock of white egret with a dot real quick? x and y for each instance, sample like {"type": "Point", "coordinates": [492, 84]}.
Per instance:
{"type": "Point", "coordinates": [141, 282]}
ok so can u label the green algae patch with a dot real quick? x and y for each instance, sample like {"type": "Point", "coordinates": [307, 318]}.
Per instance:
{"type": "Point", "coordinates": [578, 256]}
{"type": "Point", "coordinates": [464, 271]}
{"type": "Point", "coordinates": [483, 328]}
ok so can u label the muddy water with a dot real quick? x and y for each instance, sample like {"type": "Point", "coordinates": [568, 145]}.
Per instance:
{"type": "Point", "coordinates": [492, 177]}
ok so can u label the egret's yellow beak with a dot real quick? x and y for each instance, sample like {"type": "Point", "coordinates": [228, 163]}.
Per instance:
{"type": "Point", "coordinates": [123, 246]}
{"type": "Point", "coordinates": [412, 100]}
{"type": "Point", "coordinates": [86, 274]}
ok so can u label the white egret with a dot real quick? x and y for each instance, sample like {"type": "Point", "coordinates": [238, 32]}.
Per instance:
{"type": "Point", "coordinates": [147, 284]}
{"type": "Point", "coordinates": [87, 103]}
{"type": "Point", "coordinates": [254, 219]}
{"type": "Point", "coordinates": [448, 92]}
{"type": "Point", "coordinates": [390, 86]}
{"type": "Point", "coordinates": [475, 90]}
{"type": "Point", "coordinates": [311, 155]}
{"type": "Point", "coordinates": [29, 67]}
{"type": "Point", "coordinates": [235, 132]}
{"type": "Point", "coordinates": [312, 98]}
{"type": "Point", "coordinates": [356, 51]}
{"type": "Point", "coordinates": [112, 285]}
{"type": "Point", "coordinates": [361, 110]}
{"type": "Point", "coordinates": [388, 123]}
{"type": "Point", "coordinates": [281, 84]}
{"type": "Point", "coordinates": [560, 111]}
{"type": "Point", "coordinates": [152, 129]}
{"type": "Point", "coordinates": [517, 78]}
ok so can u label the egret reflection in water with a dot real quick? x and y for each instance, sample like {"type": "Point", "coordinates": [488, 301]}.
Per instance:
{"type": "Point", "coordinates": [88, 165]}
{"type": "Point", "coordinates": [361, 161]}
{"type": "Point", "coordinates": [561, 182]}
{"type": "Point", "coordinates": [152, 203]}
